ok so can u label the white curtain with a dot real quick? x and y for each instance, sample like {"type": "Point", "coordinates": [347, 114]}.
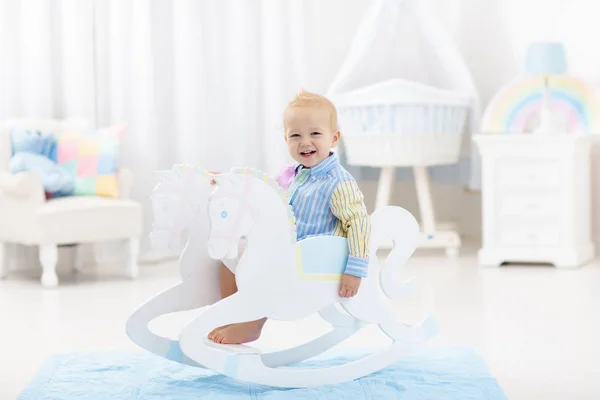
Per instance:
{"type": "Point", "coordinates": [202, 82]}
{"type": "Point", "coordinates": [205, 81]}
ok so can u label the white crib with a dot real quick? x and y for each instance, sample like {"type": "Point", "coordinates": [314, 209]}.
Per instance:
{"type": "Point", "coordinates": [399, 123]}
{"type": "Point", "coordinates": [388, 121]}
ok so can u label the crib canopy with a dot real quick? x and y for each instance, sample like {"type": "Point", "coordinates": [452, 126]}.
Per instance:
{"type": "Point", "coordinates": [401, 92]}
{"type": "Point", "coordinates": [398, 43]}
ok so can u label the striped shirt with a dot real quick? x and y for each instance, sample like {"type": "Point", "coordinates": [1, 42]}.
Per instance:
{"type": "Point", "coordinates": [327, 201]}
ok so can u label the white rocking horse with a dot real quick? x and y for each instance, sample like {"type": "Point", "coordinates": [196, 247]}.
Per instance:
{"type": "Point", "coordinates": [276, 276]}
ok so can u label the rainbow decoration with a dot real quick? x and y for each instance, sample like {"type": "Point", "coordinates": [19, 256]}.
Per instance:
{"type": "Point", "coordinates": [515, 107]}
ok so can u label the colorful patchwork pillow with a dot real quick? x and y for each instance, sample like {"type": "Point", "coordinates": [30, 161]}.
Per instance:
{"type": "Point", "coordinates": [93, 158]}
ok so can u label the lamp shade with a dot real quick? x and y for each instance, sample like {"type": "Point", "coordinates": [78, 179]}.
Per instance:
{"type": "Point", "coordinates": [546, 58]}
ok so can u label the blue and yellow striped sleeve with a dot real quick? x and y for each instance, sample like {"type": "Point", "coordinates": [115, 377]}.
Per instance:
{"type": "Point", "coordinates": [349, 208]}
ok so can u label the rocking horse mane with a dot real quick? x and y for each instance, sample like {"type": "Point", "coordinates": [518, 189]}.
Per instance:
{"type": "Point", "coordinates": [173, 199]}
{"type": "Point", "coordinates": [260, 175]}
{"type": "Point", "coordinates": [179, 171]}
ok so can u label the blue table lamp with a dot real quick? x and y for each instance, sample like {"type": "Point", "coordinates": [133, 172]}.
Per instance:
{"type": "Point", "coordinates": [545, 58]}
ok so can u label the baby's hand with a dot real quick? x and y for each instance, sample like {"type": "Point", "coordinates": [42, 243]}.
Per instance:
{"type": "Point", "coordinates": [350, 284]}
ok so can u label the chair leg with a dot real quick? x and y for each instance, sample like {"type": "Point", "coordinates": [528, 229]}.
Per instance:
{"type": "Point", "coordinates": [48, 259]}
{"type": "Point", "coordinates": [3, 261]}
{"type": "Point", "coordinates": [77, 265]}
{"type": "Point", "coordinates": [132, 259]}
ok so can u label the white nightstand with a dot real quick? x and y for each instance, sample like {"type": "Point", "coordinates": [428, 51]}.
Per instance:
{"type": "Point", "coordinates": [536, 199]}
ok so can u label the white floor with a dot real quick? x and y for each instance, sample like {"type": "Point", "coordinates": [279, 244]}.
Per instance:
{"type": "Point", "coordinates": [537, 327]}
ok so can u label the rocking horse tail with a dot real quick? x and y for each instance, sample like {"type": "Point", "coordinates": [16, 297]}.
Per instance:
{"type": "Point", "coordinates": [402, 228]}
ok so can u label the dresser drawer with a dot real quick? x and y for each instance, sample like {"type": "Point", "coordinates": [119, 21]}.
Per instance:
{"type": "Point", "coordinates": [529, 235]}
{"type": "Point", "coordinates": [528, 205]}
{"type": "Point", "coordinates": [538, 174]}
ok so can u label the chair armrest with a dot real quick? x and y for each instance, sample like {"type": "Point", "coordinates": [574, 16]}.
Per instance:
{"type": "Point", "coordinates": [125, 183]}
{"type": "Point", "coordinates": [23, 185]}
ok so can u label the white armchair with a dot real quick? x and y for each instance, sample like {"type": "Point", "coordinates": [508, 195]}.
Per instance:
{"type": "Point", "coordinates": [27, 218]}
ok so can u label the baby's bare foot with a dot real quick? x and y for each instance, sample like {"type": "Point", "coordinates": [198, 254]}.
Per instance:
{"type": "Point", "coordinates": [213, 333]}
{"type": "Point", "coordinates": [238, 333]}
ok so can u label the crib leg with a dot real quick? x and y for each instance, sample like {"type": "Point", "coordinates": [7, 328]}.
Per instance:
{"type": "Point", "coordinates": [3, 261]}
{"type": "Point", "coordinates": [424, 198]}
{"type": "Point", "coordinates": [384, 187]}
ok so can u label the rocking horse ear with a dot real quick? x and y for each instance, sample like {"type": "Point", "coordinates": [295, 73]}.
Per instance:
{"type": "Point", "coordinates": [166, 175]}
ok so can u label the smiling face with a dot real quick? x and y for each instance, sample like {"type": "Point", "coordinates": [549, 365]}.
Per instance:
{"type": "Point", "coordinates": [310, 134]}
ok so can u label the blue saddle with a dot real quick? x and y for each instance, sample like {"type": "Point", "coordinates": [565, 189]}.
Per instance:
{"type": "Point", "coordinates": [322, 257]}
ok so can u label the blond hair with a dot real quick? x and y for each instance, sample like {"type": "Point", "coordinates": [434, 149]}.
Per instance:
{"type": "Point", "coordinates": [308, 99]}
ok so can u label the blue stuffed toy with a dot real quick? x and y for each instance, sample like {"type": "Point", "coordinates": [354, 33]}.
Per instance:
{"type": "Point", "coordinates": [34, 151]}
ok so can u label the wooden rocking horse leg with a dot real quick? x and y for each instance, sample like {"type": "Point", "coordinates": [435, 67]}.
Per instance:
{"type": "Point", "coordinates": [381, 313]}
{"type": "Point", "coordinates": [344, 326]}
{"type": "Point", "coordinates": [182, 297]}
{"type": "Point", "coordinates": [233, 309]}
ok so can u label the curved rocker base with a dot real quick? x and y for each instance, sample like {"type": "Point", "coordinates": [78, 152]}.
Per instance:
{"type": "Point", "coordinates": [247, 364]}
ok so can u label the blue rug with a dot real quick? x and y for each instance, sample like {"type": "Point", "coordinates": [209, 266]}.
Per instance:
{"type": "Point", "coordinates": [437, 373]}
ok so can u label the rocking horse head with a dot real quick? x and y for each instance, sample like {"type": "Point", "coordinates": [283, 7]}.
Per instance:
{"type": "Point", "coordinates": [246, 199]}
{"type": "Point", "coordinates": [175, 204]}
{"type": "Point", "coordinates": [231, 214]}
